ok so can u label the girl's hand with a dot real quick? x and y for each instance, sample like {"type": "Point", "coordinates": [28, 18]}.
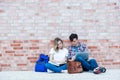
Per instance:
{"type": "Point", "coordinates": [62, 61]}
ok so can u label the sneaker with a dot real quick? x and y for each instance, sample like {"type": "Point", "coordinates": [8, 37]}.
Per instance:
{"type": "Point", "coordinates": [99, 70]}
{"type": "Point", "coordinates": [63, 71]}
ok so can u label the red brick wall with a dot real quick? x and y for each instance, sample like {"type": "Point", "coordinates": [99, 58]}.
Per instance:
{"type": "Point", "coordinates": [28, 26]}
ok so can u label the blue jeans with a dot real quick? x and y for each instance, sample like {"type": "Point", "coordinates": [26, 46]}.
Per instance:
{"type": "Point", "coordinates": [87, 65]}
{"type": "Point", "coordinates": [55, 68]}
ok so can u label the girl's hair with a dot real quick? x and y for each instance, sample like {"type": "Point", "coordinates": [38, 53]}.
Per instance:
{"type": "Point", "coordinates": [56, 40]}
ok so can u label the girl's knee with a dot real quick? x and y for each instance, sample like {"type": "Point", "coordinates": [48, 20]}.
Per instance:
{"type": "Point", "coordinates": [47, 65]}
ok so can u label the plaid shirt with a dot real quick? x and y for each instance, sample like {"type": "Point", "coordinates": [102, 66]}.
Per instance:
{"type": "Point", "coordinates": [73, 50]}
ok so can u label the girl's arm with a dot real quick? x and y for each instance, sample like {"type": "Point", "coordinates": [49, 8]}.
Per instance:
{"type": "Point", "coordinates": [56, 61]}
{"type": "Point", "coordinates": [62, 61]}
{"type": "Point", "coordinates": [52, 58]}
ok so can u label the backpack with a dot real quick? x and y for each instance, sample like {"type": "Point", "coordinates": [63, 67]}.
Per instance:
{"type": "Point", "coordinates": [40, 63]}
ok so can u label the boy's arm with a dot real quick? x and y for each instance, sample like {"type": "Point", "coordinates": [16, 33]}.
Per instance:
{"type": "Point", "coordinates": [71, 57]}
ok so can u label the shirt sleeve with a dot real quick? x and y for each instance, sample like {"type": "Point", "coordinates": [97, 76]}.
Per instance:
{"type": "Point", "coordinates": [51, 51]}
{"type": "Point", "coordinates": [85, 48]}
{"type": "Point", "coordinates": [69, 53]}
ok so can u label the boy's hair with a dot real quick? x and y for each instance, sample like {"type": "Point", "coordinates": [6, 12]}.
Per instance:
{"type": "Point", "coordinates": [72, 36]}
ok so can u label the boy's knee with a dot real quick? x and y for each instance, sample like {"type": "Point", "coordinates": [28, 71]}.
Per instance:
{"type": "Point", "coordinates": [93, 60]}
{"type": "Point", "coordinates": [79, 58]}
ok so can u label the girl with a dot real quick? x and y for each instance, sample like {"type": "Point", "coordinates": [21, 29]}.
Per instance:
{"type": "Point", "coordinates": [58, 56]}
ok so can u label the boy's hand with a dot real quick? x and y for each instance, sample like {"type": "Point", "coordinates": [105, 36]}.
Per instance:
{"type": "Point", "coordinates": [73, 58]}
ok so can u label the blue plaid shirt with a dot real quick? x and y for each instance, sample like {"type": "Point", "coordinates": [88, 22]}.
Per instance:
{"type": "Point", "coordinates": [81, 49]}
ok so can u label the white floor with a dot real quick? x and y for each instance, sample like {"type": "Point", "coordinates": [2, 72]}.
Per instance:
{"type": "Point", "coordinates": [111, 74]}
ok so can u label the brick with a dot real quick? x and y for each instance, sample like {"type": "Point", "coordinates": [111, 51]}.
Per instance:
{"type": "Point", "coordinates": [10, 51]}
{"type": "Point", "coordinates": [26, 41]}
{"type": "Point", "coordinates": [1, 11]}
{"type": "Point", "coordinates": [100, 60]}
{"type": "Point", "coordinates": [18, 54]}
{"type": "Point", "coordinates": [32, 61]}
{"type": "Point", "coordinates": [108, 60]}
{"type": "Point", "coordinates": [21, 64]}
{"type": "Point", "coordinates": [106, 63]}
{"type": "Point", "coordinates": [17, 41]}
{"type": "Point", "coordinates": [34, 41]}
{"type": "Point", "coordinates": [0, 54]}
{"type": "Point", "coordinates": [92, 47]}
{"type": "Point", "coordinates": [33, 48]}
{"type": "Point", "coordinates": [56, 0]}
{"type": "Point", "coordinates": [18, 48]}
{"type": "Point", "coordinates": [83, 40]}
{"type": "Point", "coordinates": [31, 58]}
{"type": "Point", "coordinates": [104, 41]}
{"type": "Point", "coordinates": [111, 4]}
{"type": "Point", "coordinates": [5, 65]}
{"type": "Point", "coordinates": [9, 54]}
{"type": "Point", "coordinates": [116, 63]}
{"type": "Point", "coordinates": [15, 44]}
{"type": "Point", "coordinates": [114, 47]}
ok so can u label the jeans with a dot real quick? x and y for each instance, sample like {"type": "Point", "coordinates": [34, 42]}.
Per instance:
{"type": "Point", "coordinates": [55, 68]}
{"type": "Point", "coordinates": [87, 65]}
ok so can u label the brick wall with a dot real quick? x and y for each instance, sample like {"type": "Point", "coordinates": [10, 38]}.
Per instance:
{"type": "Point", "coordinates": [27, 28]}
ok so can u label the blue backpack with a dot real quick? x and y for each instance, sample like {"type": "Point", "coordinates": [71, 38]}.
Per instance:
{"type": "Point", "coordinates": [40, 63]}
